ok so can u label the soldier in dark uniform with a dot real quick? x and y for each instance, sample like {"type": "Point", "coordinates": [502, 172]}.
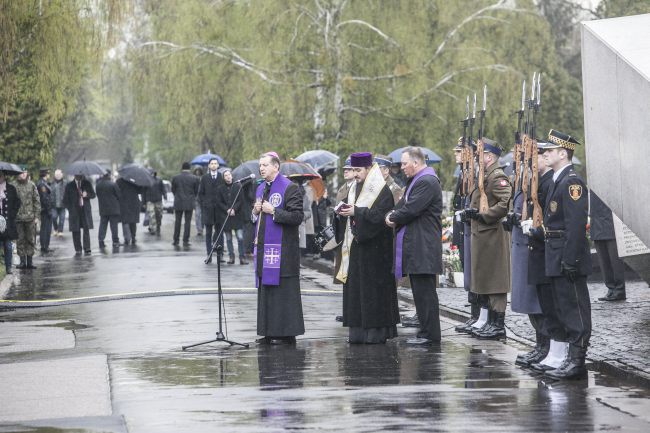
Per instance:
{"type": "Point", "coordinates": [208, 197]}
{"type": "Point", "coordinates": [567, 254]}
{"type": "Point", "coordinates": [45, 194]}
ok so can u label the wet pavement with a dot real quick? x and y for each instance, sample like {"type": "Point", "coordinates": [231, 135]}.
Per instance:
{"type": "Point", "coordinates": [117, 366]}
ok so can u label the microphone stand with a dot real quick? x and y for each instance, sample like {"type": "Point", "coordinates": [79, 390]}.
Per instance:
{"type": "Point", "coordinates": [215, 246]}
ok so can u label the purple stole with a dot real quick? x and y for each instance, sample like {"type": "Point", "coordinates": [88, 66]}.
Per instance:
{"type": "Point", "coordinates": [428, 171]}
{"type": "Point", "coordinates": [272, 233]}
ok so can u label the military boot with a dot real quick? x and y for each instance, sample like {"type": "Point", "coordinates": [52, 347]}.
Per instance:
{"type": "Point", "coordinates": [522, 358]}
{"type": "Point", "coordinates": [466, 328]}
{"type": "Point", "coordinates": [488, 324]}
{"type": "Point", "coordinates": [23, 263]}
{"type": "Point", "coordinates": [497, 330]}
{"type": "Point", "coordinates": [29, 264]}
{"type": "Point", "coordinates": [573, 367]}
{"type": "Point", "coordinates": [544, 347]}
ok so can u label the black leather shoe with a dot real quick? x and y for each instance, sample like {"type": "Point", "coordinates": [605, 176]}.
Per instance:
{"type": "Point", "coordinates": [116, 244]}
{"type": "Point", "coordinates": [243, 262]}
{"type": "Point", "coordinates": [613, 297]}
{"type": "Point", "coordinates": [263, 340]}
{"type": "Point", "coordinates": [540, 367]}
{"type": "Point", "coordinates": [9, 271]}
{"type": "Point", "coordinates": [231, 261]}
{"type": "Point", "coordinates": [102, 245]}
{"type": "Point", "coordinates": [573, 367]}
{"type": "Point", "coordinates": [175, 243]}
{"type": "Point", "coordinates": [339, 318]}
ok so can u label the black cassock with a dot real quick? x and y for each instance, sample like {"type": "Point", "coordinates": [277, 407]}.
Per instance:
{"type": "Point", "coordinates": [279, 308]}
{"type": "Point", "coordinates": [370, 295]}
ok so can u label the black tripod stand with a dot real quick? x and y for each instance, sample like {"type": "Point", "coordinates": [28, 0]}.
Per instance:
{"type": "Point", "coordinates": [215, 246]}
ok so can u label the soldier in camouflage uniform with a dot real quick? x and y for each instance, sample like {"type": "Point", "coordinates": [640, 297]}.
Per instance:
{"type": "Point", "coordinates": [384, 163]}
{"type": "Point", "coordinates": [27, 219]}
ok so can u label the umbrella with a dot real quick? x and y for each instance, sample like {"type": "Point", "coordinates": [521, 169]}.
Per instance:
{"type": "Point", "coordinates": [206, 157]}
{"type": "Point", "coordinates": [318, 158]}
{"type": "Point", "coordinates": [10, 168]}
{"type": "Point", "coordinates": [87, 168]}
{"type": "Point", "coordinates": [431, 156]}
{"type": "Point", "coordinates": [136, 174]}
{"type": "Point", "coordinates": [294, 169]}
{"type": "Point", "coordinates": [246, 169]}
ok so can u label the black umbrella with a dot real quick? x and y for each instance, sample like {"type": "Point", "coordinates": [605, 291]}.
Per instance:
{"type": "Point", "coordinates": [10, 168]}
{"type": "Point", "coordinates": [87, 168]}
{"type": "Point", "coordinates": [136, 174]}
{"type": "Point", "coordinates": [318, 158]}
{"type": "Point", "coordinates": [298, 169]}
{"type": "Point", "coordinates": [246, 169]}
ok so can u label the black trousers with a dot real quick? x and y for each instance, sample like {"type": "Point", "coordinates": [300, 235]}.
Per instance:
{"type": "Point", "coordinates": [551, 326]}
{"type": "Point", "coordinates": [573, 308]}
{"type": "Point", "coordinates": [425, 296]}
{"type": "Point", "coordinates": [45, 233]}
{"type": "Point", "coordinates": [611, 265]}
{"type": "Point", "coordinates": [76, 240]}
{"type": "Point", "coordinates": [210, 237]}
{"type": "Point", "coordinates": [178, 217]}
{"type": "Point", "coordinates": [104, 222]}
{"type": "Point", "coordinates": [129, 231]}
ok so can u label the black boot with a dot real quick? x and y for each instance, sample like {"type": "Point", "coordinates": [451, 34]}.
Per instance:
{"type": "Point", "coordinates": [541, 348]}
{"type": "Point", "coordinates": [29, 264]}
{"type": "Point", "coordinates": [477, 331]}
{"type": "Point", "coordinates": [466, 328]}
{"type": "Point", "coordinates": [573, 367]}
{"type": "Point", "coordinates": [498, 329]}
{"type": "Point", "coordinates": [23, 263]}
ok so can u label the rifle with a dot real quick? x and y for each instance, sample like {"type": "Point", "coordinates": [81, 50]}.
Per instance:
{"type": "Point", "coordinates": [464, 154]}
{"type": "Point", "coordinates": [470, 150]}
{"type": "Point", "coordinates": [537, 209]}
{"type": "Point", "coordinates": [527, 154]}
{"type": "Point", "coordinates": [518, 145]}
{"type": "Point", "coordinates": [483, 201]}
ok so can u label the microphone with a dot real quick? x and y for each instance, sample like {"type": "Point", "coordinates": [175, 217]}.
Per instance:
{"type": "Point", "coordinates": [244, 179]}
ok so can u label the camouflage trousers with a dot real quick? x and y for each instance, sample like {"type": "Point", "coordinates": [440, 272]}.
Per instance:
{"type": "Point", "coordinates": [26, 242]}
{"type": "Point", "coordinates": [154, 210]}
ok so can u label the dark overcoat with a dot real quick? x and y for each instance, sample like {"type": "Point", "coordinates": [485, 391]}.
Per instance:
{"type": "Point", "coordinates": [155, 192]}
{"type": "Point", "coordinates": [289, 217]}
{"type": "Point", "coordinates": [185, 187]}
{"type": "Point", "coordinates": [10, 206]}
{"type": "Point", "coordinates": [108, 197]}
{"type": "Point", "coordinates": [421, 214]}
{"type": "Point", "coordinates": [524, 295]}
{"type": "Point", "coordinates": [209, 198]}
{"type": "Point", "coordinates": [45, 194]}
{"type": "Point", "coordinates": [601, 219]}
{"type": "Point", "coordinates": [566, 214]}
{"type": "Point", "coordinates": [536, 268]}
{"type": "Point", "coordinates": [490, 241]}
{"type": "Point", "coordinates": [71, 202]}
{"type": "Point", "coordinates": [225, 195]}
{"type": "Point", "coordinates": [129, 202]}
{"type": "Point", "coordinates": [370, 292]}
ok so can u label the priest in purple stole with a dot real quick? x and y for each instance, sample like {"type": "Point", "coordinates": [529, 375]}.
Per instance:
{"type": "Point", "coordinates": [278, 213]}
{"type": "Point", "coordinates": [418, 246]}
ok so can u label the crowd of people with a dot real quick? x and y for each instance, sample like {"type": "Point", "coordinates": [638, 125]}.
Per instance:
{"type": "Point", "coordinates": [387, 224]}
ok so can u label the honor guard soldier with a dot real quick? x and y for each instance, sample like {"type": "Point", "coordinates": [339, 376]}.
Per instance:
{"type": "Point", "coordinates": [490, 243]}
{"type": "Point", "coordinates": [567, 254]}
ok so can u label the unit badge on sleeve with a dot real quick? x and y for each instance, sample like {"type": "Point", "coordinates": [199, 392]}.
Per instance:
{"type": "Point", "coordinates": [575, 191]}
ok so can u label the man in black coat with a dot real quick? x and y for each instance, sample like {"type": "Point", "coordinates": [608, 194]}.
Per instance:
{"type": "Point", "coordinates": [45, 194]}
{"type": "Point", "coordinates": [108, 198]}
{"type": "Point", "coordinates": [129, 209]}
{"type": "Point", "coordinates": [369, 291]}
{"type": "Point", "coordinates": [9, 205]}
{"type": "Point", "coordinates": [185, 187]}
{"type": "Point", "coordinates": [211, 217]}
{"type": "Point", "coordinates": [602, 233]}
{"type": "Point", "coordinates": [76, 198]}
{"type": "Point", "coordinates": [567, 253]}
{"type": "Point", "coordinates": [418, 247]}
{"type": "Point", "coordinates": [278, 212]}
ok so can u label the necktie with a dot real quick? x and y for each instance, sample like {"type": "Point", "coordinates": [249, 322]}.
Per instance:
{"type": "Point", "coordinates": [81, 198]}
